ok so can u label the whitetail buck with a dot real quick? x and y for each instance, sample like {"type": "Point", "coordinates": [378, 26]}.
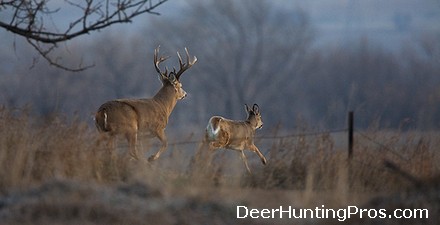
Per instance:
{"type": "Point", "coordinates": [128, 117]}
{"type": "Point", "coordinates": [234, 134]}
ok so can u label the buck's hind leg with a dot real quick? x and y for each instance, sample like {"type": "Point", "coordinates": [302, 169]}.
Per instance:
{"type": "Point", "coordinates": [132, 139]}
{"type": "Point", "coordinates": [163, 139]}
{"type": "Point", "coordinates": [257, 151]}
{"type": "Point", "coordinates": [108, 140]}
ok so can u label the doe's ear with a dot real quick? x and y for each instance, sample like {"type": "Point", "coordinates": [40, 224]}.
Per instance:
{"type": "Point", "coordinates": [246, 107]}
{"type": "Point", "coordinates": [256, 109]}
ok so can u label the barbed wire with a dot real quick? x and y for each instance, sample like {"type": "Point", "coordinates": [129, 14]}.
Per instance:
{"type": "Point", "coordinates": [293, 135]}
{"type": "Point", "coordinates": [387, 148]}
{"type": "Point", "coordinates": [284, 136]}
{"type": "Point", "coordinates": [313, 133]}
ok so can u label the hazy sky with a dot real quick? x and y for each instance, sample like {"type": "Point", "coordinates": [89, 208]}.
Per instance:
{"type": "Point", "coordinates": [388, 23]}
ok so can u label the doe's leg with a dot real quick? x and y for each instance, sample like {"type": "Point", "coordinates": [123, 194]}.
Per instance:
{"type": "Point", "coordinates": [257, 151]}
{"type": "Point", "coordinates": [243, 157]}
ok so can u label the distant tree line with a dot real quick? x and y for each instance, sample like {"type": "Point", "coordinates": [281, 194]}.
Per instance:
{"type": "Point", "coordinates": [249, 52]}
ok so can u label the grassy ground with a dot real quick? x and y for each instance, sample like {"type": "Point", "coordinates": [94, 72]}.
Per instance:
{"type": "Point", "coordinates": [56, 172]}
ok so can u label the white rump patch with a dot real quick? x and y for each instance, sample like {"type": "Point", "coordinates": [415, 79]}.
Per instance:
{"type": "Point", "coordinates": [105, 120]}
{"type": "Point", "coordinates": [212, 132]}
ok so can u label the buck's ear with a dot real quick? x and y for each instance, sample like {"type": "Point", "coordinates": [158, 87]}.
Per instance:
{"type": "Point", "coordinates": [172, 77]}
{"type": "Point", "coordinates": [246, 107]}
{"type": "Point", "coordinates": [256, 109]}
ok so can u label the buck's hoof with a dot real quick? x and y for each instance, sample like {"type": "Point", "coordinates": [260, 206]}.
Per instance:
{"type": "Point", "coordinates": [133, 157]}
{"type": "Point", "coordinates": [264, 161]}
{"type": "Point", "coordinates": [152, 158]}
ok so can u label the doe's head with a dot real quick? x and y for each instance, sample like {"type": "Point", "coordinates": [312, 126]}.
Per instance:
{"type": "Point", "coordinates": [254, 116]}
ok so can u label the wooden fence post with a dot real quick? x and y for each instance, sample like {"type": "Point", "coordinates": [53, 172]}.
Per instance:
{"type": "Point", "coordinates": [350, 134]}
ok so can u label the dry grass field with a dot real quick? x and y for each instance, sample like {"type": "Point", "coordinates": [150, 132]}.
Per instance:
{"type": "Point", "coordinates": [56, 172]}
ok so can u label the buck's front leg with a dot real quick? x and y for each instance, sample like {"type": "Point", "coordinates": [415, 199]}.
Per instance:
{"type": "Point", "coordinates": [163, 139]}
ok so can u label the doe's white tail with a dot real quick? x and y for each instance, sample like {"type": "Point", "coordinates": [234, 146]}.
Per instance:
{"type": "Point", "coordinates": [213, 128]}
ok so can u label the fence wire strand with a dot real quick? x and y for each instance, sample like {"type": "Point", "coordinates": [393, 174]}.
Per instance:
{"type": "Point", "coordinates": [386, 148]}
{"type": "Point", "coordinates": [284, 136]}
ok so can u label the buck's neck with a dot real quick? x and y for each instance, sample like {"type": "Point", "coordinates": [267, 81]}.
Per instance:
{"type": "Point", "coordinates": [166, 96]}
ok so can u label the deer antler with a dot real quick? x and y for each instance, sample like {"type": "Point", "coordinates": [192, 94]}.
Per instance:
{"type": "Point", "coordinates": [184, 66]}
{"type": "Point", "coordinates": [157, 61]}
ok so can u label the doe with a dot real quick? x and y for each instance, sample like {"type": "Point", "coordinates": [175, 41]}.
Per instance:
{"type": "Point", "coordinates": [235, 134]}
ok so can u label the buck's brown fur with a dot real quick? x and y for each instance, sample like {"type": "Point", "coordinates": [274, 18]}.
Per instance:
{"type": "Point", "coordinates": [128, 117]}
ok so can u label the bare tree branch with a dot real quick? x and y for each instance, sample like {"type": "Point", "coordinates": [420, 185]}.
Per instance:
{"type": "Point", "coordinates": [29, 18]}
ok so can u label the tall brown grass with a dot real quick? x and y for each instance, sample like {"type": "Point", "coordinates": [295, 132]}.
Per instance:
{"type": "Point", "coordinates": [306, 170]}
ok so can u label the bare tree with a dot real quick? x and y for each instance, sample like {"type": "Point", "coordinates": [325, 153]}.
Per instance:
{"type": "Point", "coordinates": [251, 49]}
{"type": "Point", "coordinates": [35, 20]}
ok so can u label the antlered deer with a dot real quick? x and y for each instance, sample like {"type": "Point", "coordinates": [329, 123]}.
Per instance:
{"type": "Point", "coordinates": [234, 134]}
{"type": "Point", "coordinates": [128, 117]}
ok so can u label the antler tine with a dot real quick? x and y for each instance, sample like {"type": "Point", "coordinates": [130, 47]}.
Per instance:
{"type": "Point", "coordinates": [186, 65]}
{"type": "Point", "coordinates": [180, 59]}
{"type": "Point", "coordinates": [157, 61]}
{"type": "Point", "coordinates": [181, 65]}
{"type": "Point", "coordinates": [187, 55]}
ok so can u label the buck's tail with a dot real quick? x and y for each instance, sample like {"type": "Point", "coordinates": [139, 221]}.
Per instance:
{"type": "Point", "coordinates": [101, 120]}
